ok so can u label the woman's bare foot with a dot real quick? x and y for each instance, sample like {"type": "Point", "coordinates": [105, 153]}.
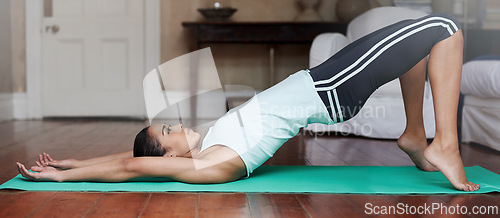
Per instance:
{"type": "Point", "coordinates": [414, 147]}
{"type": "Point", "coordinates": [447, 159]}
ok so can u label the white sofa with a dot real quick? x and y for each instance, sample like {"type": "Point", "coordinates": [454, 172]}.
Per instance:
{"type": "Point", "coordinates": [481, 107]}
{"type": "Point", "coordinates": [383, 115]}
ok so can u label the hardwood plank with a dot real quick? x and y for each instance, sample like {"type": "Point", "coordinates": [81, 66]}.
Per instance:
{"type": "Point", "coordinates": [417, 205]}
{"type": "Point", "coordinates": [473, 154]}
{"type": "Point", "coordinates": [339, 146]}
{"type": "Point", "coordinates": [291, 161]}
{"type": "Point", "coordinates": [381, 150]}
{"type": "Point", "coordinates": [67, 204]}
{"type": "Point", "coordinates": [327, 205]}
{"type": "Point", "coordinates": [66, 132]}
{"type": "Point", "coordinates": [16, 131]}
{"type": "Point", "coordinates": [319, 156]}
{"type": "Point", "coordinates": [21, 203]}
{"type": "Point", "coordinates": [223, 205]}
{"type": "Point", "coordinates": [373, 204]}
{"type": "Point", "coordinates": [469, 201]}
{"type": "Point", "coordinates": [268, 162]}
{"type": "Point", "coordinates": [103, 141]}
{"type": "Point", "coordinates": [8, 158]}
{"type": "Point", "coordinates": [275, 205]}
{"type": "Point", "coordinates": [8, 132]}
{"type": "Point", "coordinates": [4, 179]}
{"type": "Point", "coordinates": [171, 205]}
{"type": "Point", "coordinates": [128, 204]}
{"type": "Point", "coordinates": [291, 149]}
{"type": "Point", "coordinates": [113, 135]}
{"type": "Point", "coordinates": [90, 138]}
{"type": "Point", "coordinates": [55, 138]}
{"type": "Point", "coordinates": [66, 139]}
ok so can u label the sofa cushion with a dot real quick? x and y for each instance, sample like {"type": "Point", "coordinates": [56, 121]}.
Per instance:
{"type": "Point", "coordinates": [378, 18]}
{"type": "Point", "coordinates": [481, 78]}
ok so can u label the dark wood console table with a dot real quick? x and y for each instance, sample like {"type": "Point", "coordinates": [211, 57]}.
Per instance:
{"type": "Point", "coordinates": [258, 32]}
{"type": "Point", "coordinates": [254, 32]}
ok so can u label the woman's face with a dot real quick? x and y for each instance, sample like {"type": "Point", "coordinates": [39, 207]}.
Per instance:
{"type": "Point", "coordinates": [177, 141]}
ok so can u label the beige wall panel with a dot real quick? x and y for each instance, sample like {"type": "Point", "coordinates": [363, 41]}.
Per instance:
{"type": "Point", "coordinates": [18, 46]}
{"type": "Point", "coordinates": [250, 67]}
{"type": "Point", "coordinates": [5, 48]}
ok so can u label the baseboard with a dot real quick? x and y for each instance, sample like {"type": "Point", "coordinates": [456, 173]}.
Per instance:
{"type": "Point", "coordinates": [210, 106]}
{"type": "Point", "coordinates": [20, 106]}
{"type": "Point", "coordinates": [6, 107]}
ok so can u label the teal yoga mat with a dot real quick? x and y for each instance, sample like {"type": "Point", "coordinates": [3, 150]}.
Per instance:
{"type": "Point", "coordinates": [296, 179]}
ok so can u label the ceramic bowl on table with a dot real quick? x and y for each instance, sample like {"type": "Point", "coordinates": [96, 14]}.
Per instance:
{"type": "Point", "coordinates": [217, 14]}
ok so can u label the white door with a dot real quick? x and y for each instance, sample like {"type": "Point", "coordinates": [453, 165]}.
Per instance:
{"type": "Point", "coordinates": [93, 58]}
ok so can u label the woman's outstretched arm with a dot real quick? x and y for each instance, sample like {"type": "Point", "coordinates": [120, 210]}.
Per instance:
{"type": "Point", "coordinates": [46, 160]}
{"type": "Point", "coordinates": [180, 169]}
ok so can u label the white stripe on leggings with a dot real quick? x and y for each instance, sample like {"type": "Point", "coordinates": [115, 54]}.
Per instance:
{"type": "Point", "coordinates": [319, 82]}
{"type": "Point", "coordinates": [331, 106]}
{"type": "Point", "coordinates": [338, 105]}
{"type": "Point", "coordinates": [376, 55]}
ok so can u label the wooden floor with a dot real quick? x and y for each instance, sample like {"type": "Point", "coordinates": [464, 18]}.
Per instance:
{"type": "Point", "coordinates": [24, 140]}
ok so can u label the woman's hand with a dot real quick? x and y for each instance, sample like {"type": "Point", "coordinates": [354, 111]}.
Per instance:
{"type": "Point", "coordinates": [46, 160]}
{"type": "Point", "coordinates": [46, 173]}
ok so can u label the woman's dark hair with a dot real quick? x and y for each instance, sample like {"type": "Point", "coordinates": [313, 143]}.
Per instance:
{"type": "Point", "coordinates": [147, 145]}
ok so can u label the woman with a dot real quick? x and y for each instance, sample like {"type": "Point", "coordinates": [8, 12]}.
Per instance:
{"type": "Point", "coordinates": [330, 93]}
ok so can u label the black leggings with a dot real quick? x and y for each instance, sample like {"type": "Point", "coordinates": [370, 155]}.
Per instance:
{"type": "Point", "coordinates": [346, 80]}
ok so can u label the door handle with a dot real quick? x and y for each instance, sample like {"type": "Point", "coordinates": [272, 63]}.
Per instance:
{"type": "Point", "coordinates": [54, 29]}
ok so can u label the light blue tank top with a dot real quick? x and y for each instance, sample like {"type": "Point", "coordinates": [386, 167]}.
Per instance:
{"type": "Point", "coordinates": [257, 128]}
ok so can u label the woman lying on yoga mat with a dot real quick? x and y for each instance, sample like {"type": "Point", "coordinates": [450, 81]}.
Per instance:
{"type": "Point", "coordinates": [330, 93]}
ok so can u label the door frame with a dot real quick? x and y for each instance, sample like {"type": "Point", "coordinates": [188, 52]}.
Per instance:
{"type": "Point", "coordinates": [34, 28]}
